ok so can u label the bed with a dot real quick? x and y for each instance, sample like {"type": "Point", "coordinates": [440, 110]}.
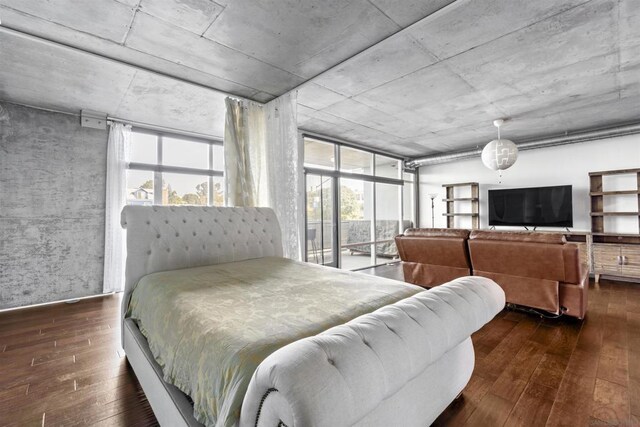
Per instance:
{"type": "Point", "coordinates": [221, 330]}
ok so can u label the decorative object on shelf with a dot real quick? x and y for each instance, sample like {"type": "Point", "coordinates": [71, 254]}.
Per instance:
{"type": "Point", "coordinates": [451, 199]}
{"type": "Point", "coordinates": [499, 154]}
{"type": "Point", "coordinates": [433, 212]}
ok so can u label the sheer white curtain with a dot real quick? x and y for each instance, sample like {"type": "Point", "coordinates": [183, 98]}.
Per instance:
{"type": "Point", "coordinates": [263, 163]}
{"type": "Point", "coordinates": [114, 236]}
{"type": "Point", "coordinates": [284, 158]}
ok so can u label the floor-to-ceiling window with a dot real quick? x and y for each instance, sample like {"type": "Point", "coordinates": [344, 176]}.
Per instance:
{"type": "Point", "coordinates": [168, 169]}
{"type": "Point", "coordinates": [357, 201]}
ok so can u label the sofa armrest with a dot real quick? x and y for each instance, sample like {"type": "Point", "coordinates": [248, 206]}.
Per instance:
{"type": "Point", "coordinates": [337, 377]}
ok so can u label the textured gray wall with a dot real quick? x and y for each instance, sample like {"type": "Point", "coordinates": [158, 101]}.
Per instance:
{"type": "Point", "coordinates": [52, 197]}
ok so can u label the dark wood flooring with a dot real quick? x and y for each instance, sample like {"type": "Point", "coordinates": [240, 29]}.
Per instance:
{"type": "Point", "coordinates": [62, 365]}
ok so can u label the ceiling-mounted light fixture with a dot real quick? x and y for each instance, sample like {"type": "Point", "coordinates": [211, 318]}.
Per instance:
{"type": "Point", "coordinates": [499, 154]}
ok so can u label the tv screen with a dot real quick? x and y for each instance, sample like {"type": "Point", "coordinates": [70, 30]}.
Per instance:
{"type": "Point", "coordinates": [541, 206]}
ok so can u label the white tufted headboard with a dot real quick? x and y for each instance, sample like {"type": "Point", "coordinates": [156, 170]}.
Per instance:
{"type": "Point", "coordinates": [161, 238]}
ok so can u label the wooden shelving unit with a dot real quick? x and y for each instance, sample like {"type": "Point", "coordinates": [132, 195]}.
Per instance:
{"type": "Point", "coordinates": [616, 254]}
{"type": "Point", "coordinates": [451, 199]}
{"type": "Point", "coordinates": [597, 194]}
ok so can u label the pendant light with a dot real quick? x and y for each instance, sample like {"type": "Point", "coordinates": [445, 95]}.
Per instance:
{"type": "Point", "coordinates": [499, 154]}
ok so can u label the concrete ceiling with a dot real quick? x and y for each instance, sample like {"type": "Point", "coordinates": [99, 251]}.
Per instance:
{"type": "Point", "coordinates": [409, 77]}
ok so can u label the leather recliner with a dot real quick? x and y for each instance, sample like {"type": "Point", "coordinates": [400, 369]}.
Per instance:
{"type": "Point", "coordinates": [433, 256]}
{"type": "Point", "coordinates": [539, 270]}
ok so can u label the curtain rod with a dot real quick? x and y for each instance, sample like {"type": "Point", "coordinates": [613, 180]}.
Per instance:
{"type": "Point", "coordinates": [164, 129]}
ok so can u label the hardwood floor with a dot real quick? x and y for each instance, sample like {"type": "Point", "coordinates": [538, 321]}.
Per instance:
{"type": "Point", "coordinates": [62, 365]}
{"type": "Point", "coordinates": [535, 372]}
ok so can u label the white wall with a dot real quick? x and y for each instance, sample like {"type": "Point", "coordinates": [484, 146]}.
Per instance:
{"type": "Point", "coordinates": [563, 165]}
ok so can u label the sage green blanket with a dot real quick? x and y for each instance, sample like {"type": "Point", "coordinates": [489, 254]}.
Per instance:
{"type": "Point", "coordinates": [210, 327]}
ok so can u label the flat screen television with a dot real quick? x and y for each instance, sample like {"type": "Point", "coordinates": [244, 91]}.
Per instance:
{"type": "Point", "coordinates": [535, 207]}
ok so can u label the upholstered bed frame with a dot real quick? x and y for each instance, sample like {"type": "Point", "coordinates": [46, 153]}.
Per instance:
{"type": "Point", "coordinates": [400, 365]}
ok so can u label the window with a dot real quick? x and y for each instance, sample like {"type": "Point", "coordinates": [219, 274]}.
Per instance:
{"type": "Point", "coordinates": [357, 202]}
{"type": "Point", "coordinates": [169, 169]}
{"type": "Point", "coordinates": [356, 161]}
{"type": "Point", "coordinates": [319, 155]}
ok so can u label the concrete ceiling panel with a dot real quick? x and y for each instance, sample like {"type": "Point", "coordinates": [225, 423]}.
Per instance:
{"type": "Point", "coordinates": [317, 97]}
{"type": "Point", "coordinates": [192, 15]}
{"type": "Point", "coordinates": [466, 24]}
{"type": "Point", "coordinates": [414, 95]}
{"type": "Point", "coordinates": [131, 3]}
{"type": "Point", "coordinates": [629, 33]}
{"type": "Point", "coordinates": [108, 19]}
{"type": "Point", "coordinates": [155, 99]}
{"type": "Point", "coordinates": [405, 13]}
{"type": "Point", "coordinates": [73, 81]}
{"type": "Point", "coordinates": [435, 86]}
{"type": "Point", "coordinates": [517, 57]}
{"type": "Point", "coordinates": [56, 32]}
{"type": "Point", "coordinates": [390, 59]}
{"type": "Point", "coordinates": [322, 123]}
{"type": "Point", "coordinates": [359, 113]}
{"type": "Point", "coordinates": [158, 38]}
{"type": "Point", "coordinates": [304, 38]}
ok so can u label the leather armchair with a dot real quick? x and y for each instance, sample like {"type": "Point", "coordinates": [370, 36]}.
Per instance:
{"type": "Point", "coordinates": [433, 256]}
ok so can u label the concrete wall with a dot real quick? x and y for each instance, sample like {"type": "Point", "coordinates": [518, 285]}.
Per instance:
{"type": "Point", "coordinates": [563, 165]}
{"type": "Point", "coordinates": [52, 196]}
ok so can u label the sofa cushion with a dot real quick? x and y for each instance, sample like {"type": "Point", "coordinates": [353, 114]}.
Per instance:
{"type": "Point", "coordinates": [518, 236]}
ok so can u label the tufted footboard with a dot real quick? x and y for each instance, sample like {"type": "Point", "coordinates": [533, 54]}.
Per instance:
{"type": "Point", "coordinates": [403, 363]}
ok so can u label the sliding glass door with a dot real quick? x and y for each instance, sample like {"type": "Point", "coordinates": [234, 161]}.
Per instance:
{"type": "Point", "coordinates": [355, 205]}
{"type": "Point", "coordinates": [357, 247]}
{"type": "Point", "coordinates": [320, 230]}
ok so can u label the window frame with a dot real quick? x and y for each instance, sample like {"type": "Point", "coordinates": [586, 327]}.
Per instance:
{"type": "Point", "coordinates": [159, 168]}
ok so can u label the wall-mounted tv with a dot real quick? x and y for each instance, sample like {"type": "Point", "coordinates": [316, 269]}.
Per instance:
{"type": "Point", "coordinates": [535, 207]}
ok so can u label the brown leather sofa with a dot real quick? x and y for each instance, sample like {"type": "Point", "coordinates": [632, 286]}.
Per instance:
{"type": "Point", "coordinates": [433, 256]}
{"type": "Point", "coordinates": [539, 270]}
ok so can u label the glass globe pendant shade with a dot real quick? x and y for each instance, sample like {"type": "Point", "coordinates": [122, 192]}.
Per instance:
{"type": "Point", "coordinates": [499, 154]}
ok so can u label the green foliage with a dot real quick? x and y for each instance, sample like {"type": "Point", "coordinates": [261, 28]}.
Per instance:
{"type": "Point", "coordinates": [351, 206]}
{"type": "Point", "coordinates": [174, 199]}
{"type": "Point", "coordinates": [192, 199]}
{"type": "Point", "coordinates": [198, 198]}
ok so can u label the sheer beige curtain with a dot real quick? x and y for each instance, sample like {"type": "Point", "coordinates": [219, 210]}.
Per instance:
{"type": "Point", "coordinates": [244, 154]}
{"type": "Point", "coordinates": [263, 163]}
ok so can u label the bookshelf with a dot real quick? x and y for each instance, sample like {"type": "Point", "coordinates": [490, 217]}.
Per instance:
{"type": "Point", "coordinates": [615, 254]}
{"type": "Point", "coordinates": [452, 192]}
